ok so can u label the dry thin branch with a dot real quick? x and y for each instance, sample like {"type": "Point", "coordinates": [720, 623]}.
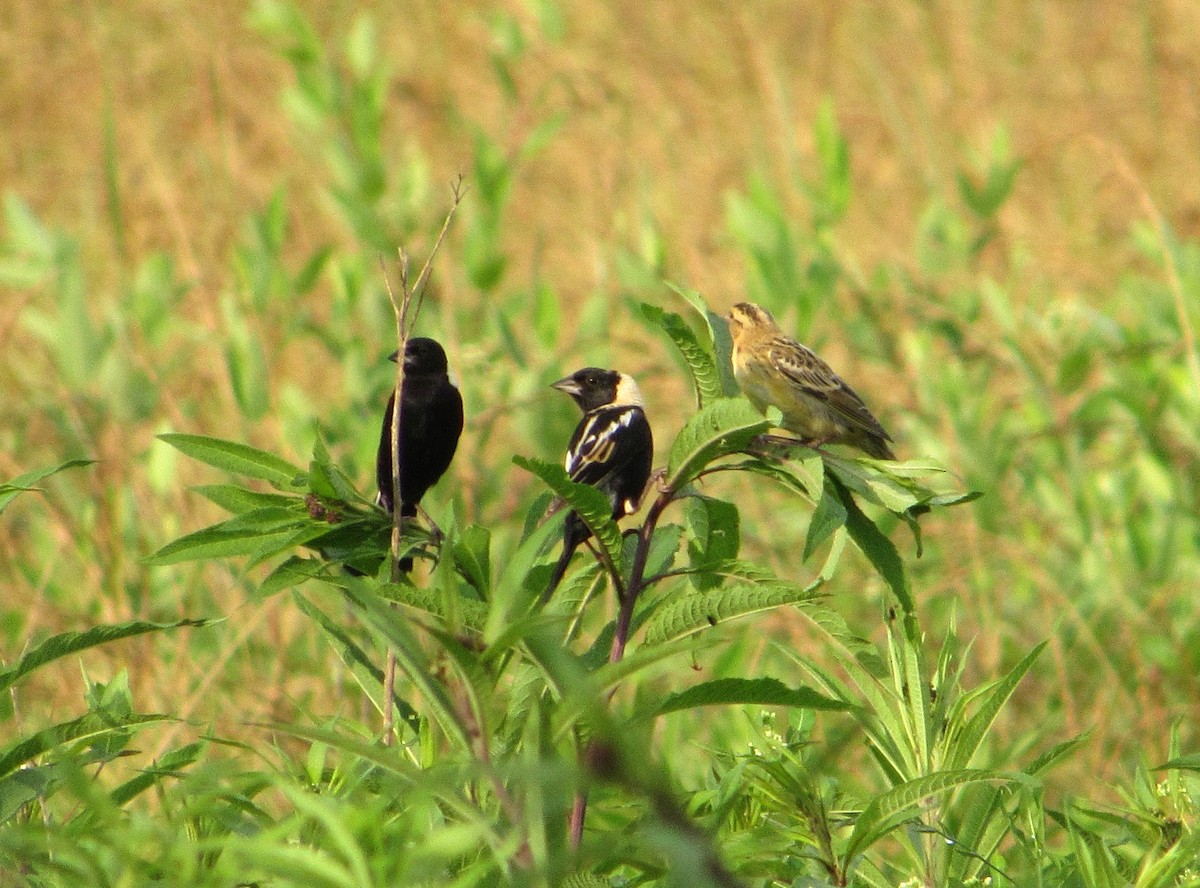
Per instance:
{"type": "Point", "coordinates": [406, 318]}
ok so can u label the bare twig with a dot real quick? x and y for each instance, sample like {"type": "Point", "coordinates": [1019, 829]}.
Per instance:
{"type": "Point", "coordinates": [406, 318]}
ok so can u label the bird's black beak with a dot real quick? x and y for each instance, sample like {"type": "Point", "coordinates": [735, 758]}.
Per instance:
{"type": "Point", "coordinates": [568, 385]}
{"type": "Point", "coordinates": [393, 356]}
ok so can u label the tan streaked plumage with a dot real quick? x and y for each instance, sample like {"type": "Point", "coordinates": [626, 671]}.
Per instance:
{"type": "Point", "coordinates": [775, 370]}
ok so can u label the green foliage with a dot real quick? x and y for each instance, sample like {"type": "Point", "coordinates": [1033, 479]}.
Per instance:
{"type": "Point", "coordinates": [799, 753]}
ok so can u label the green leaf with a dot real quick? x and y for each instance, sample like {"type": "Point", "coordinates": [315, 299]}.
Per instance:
{"type": "Point", "coordinates": [828, 516]}
{"type": "Point", "coordinates": [472, 556]}
{"type": "Point", "coordinates": [963, 744]}
{"type": "Point", "coordinates": [715, 527]}
{"type": "Point", "coordinates": [877, 547]}
{"type": "Point", "coordinates": [240, 459]}
{"type": "Point", "coordinates": [588, 502]}
{"type": "Point", "coordinates": [238, 500]}
{"type": "Point", "coordinates": [468, 614]}
{"type": "Point", "coordinates": [242, 535]}
{"type": "Point", "coordinates": [168, 766]}
{"type": "Point", "coordinates": [758, 691]}
{"type": "Point", "coordinates": [1189, 762]}
{"type": "Point", "coordinates": [699, 360]}
{"type": "Point", "coordinates": [411, 657]}
{"type": "Point", "coordinates": [68, 643]}
{"type": "Point", "coordinates": [718, 331]}
{"type": "Point", "coordinates": [366, 672]}
{"type": "Point", "coordinates": [91, 727]}
{"type": "Point", "coordinates": [725, 426]}
{"type": "Point", "coordinates": [697, 611]}
{"type": "Point", "coordinates": [287, 575]}
{"type": "Point", "coordinates": [898, 805]}
{"type": "Point", "coordinates": [27, 481]}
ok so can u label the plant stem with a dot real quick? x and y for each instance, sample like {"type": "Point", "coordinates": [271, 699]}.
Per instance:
{"type": "Point", "coordinates": [637, 582]}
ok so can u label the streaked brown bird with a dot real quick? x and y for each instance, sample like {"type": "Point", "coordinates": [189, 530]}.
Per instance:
{"type": "Point", "coordinates": [775, 370]}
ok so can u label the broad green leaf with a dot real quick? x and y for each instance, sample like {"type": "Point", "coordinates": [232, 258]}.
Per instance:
{"type": "Point", "coordinates": [588, 502]}
{"type": "Point", "coordinates": [67, 643]}
{"type": "Point", "coordinates": [725, 426]}
{"type": "Point", "coordinates": [696, 611]}
{"type": "Point", "coordinates": [29, 480]}
{"type": "Point", "coordinates": [240, 459]}
{"type": "Point", "coordinates": [224, 540]}
{"type": "Point", "coordinates": [718, 331]}
{"type": "Point", "coordinates": [878, 549]}
{"type": "Point", "coordinates": [715, 527]}
{"type": "Point", "coordinates": [236, 499]}
{"type": "Point", "coordinates": [91, 727]}
{"type": "Point", "coordinates": [699, 360]}
{"type": "Point", "coordinates": [759, 691]}
{"type": "Point", "coordinates": [828, 516]}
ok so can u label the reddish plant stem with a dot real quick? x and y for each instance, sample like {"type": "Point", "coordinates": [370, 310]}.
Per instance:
{"type": "Point", "coordinates": [637, 579]}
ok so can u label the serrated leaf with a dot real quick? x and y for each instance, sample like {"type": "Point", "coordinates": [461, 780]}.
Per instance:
{"type": "Point", "coordinates": [1180, 763]}
{"type": "Point", "coordinates": [700, 361]}
{"type": "Point", "coordinates": [91, 726]}
{"type": "Point", "coordinates": [469, 614]}
{"type": "Point", "coordinates": [716, 537]}
{"type": "Point", "coordinates": [240, 459]}
{"type": "Point", "coordinates": [27, 481]}
{"type": "Point", "coordinates": [741, 691]}
{"type": "Point", "coordinates": [696, 611]}
{"type": "Point", "coordinates": [589, 503]}
{"type": "Point", "coordinates": [718, 331]}
{"type": "Point", "coordinates": [67, 643]}
{"type": "Point", "coordinates": [725, 426]}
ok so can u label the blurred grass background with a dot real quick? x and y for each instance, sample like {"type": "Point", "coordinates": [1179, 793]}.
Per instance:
{"type": "Point", "coordinates": [198, 197]}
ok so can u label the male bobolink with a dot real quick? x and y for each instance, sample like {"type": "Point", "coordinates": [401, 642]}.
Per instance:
{"type": "Point", "coordinates": [611, 449]}
{"type": "Point", "coordinates": [431, 419]}
{"type": "Point", "coordinates": [817, 405]}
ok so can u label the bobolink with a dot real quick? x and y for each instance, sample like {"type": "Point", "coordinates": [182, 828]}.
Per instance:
{"type": "Point", "coordinates": [431, 420]}
{"type": "Point", "coordinates": [611, 448]}
{"type": "Point", "coordinates": [817, 405]}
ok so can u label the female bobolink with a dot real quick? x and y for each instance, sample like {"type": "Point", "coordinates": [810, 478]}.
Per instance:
{"type": "Point", "coordinates": [431, 420]}
{"type": "Point", "coordinates": [611, 449]}
{"type": "Point", "coordinates": [817, 405]}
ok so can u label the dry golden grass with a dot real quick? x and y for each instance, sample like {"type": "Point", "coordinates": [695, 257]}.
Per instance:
{"type": "Point", "coordinates": [670, 106]}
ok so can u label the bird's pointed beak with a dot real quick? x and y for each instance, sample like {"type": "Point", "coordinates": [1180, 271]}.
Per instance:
{"type": "Point", "coordinates": [393, 356]}
{"type": "Point", "coordinates": [569, 385]}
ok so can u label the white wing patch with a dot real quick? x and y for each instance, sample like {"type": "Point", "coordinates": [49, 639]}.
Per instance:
{"type": "Point", "coordinates": [597, 440]}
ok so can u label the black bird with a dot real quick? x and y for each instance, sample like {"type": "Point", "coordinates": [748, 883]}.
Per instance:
{"type": "Point", "coordinates": [431, 420]}
{"type": "Point", "coordinates": [611, 449]}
